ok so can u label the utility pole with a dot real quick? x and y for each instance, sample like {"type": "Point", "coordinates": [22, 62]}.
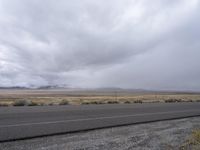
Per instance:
{"type": "Point", "coordinates": [115, 95]}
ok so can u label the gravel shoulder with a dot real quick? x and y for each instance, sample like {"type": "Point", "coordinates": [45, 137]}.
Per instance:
{"type": "Point", "coordinates": [157, 136]}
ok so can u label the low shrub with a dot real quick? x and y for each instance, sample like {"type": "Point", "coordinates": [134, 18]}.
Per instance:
{"type": "Point", "coordinates": [51, 104]}
{"type": "Point", "coordinates": [169, 101]}
{"type": "Point", "coordinates": [33, 104]}
{"type": "Point", "coordinates": [189, 100]}
{"type": "Point", "coordinates": [42, 104]}
{"type": "Point", "coordinates": [179, 100]}
{"type": "Point", "coordinates": [112, 102]}
{"type": "Point", "coordinates": [64, 102]}
{"type": "Point", "coordinates": [127, 102]}
{"type": "Point", "coordinates": [4, 105]}
{"type": "Point", "coordinates": [173, 100]}
{"type": "Point", "coordinates": [155, 102]}
{"type": "Point", "coordinates": [20, 103]}
{"type": "Point", "coordinates": [97, 102]}
{"type": "Point", "coordinates": [193, 141]}
{"type": "Point", "coordinates": [138, 101]}
{"type": "Point", "coordinates": [85, 103]}
{"type": "Point", "coordinates": [93, 102]}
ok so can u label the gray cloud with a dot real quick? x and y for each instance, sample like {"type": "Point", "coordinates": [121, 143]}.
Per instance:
{"type": "Point", "coordinates": [125, 43]}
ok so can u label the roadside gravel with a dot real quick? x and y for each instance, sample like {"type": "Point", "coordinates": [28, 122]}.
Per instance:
{"type": "Point", "coordinates": [161, 135]}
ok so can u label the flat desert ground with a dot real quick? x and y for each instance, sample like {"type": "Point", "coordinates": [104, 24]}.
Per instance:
{"type": "Point", "coordinates": [75, 97]}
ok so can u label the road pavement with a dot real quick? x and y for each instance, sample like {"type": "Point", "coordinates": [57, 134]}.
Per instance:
{"type": "Point", "coordinates": [27, 122]}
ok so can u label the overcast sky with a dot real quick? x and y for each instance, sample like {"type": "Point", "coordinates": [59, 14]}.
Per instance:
{"type": "Point", "coordinates": [85, 43]}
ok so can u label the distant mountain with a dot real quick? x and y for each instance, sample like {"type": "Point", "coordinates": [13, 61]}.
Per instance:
{"type": "Point", "coordinates": [103, 89]}
{"type": "Point", "coordinates": [120, 89]}
{"type": "Point", "coordinates": [34, 87]}
{"type": "Point", "coordinates": [53, 87]}
{"type": "Point", "coordinates": [14, 87]}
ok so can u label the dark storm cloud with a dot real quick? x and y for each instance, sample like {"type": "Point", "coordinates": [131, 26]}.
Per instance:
{"type": "Point", "coordinates": [129, 43]}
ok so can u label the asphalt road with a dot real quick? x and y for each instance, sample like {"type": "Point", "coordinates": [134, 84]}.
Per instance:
{"type": "Point", "coordinates": [27, 122]}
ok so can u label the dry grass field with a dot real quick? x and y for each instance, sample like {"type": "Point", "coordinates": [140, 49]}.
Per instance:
{"type": "Point", "coordinates": [64, 97]}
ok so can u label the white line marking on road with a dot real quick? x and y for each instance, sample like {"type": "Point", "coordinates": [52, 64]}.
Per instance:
{"type": "Point", "coordinates": [99, 118]}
